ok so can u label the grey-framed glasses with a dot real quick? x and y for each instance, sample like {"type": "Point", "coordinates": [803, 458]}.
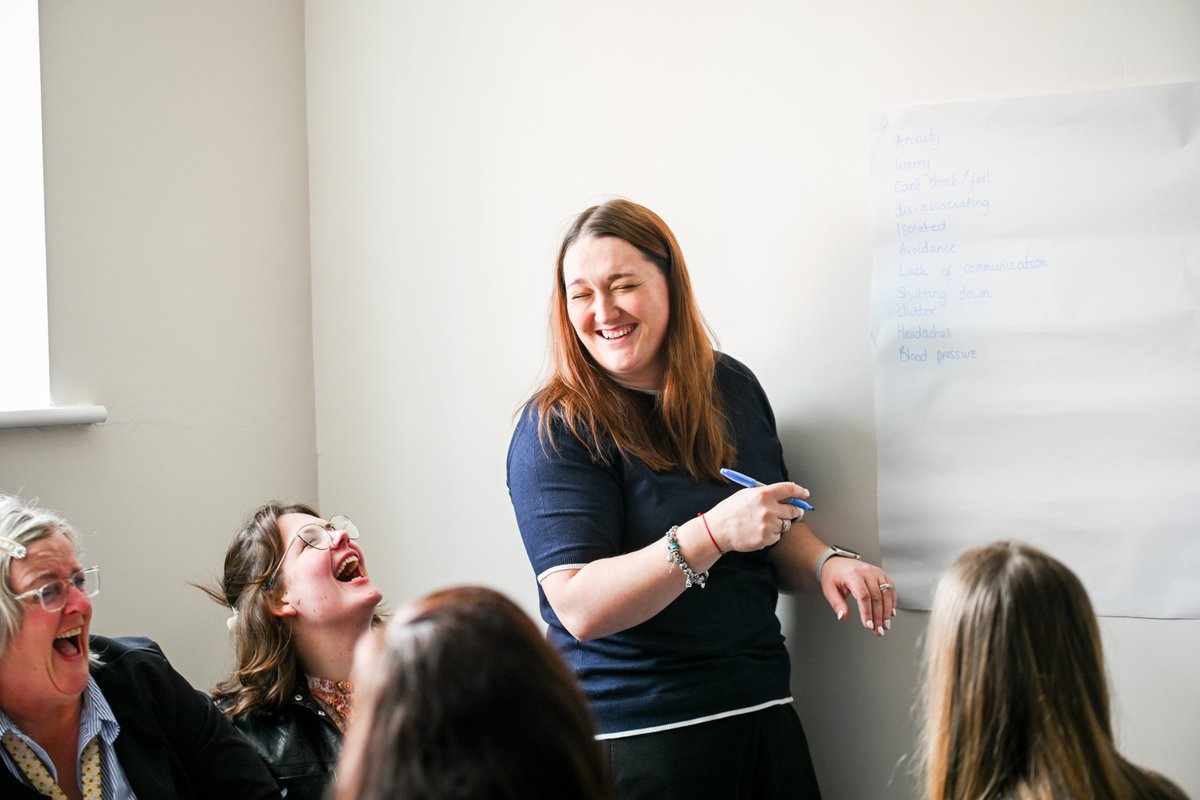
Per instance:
{"type": "Point", "coordinates": [318, 537]}
{"type": "Point", "coordinates": [321, 536]}
{"type": "Point", "coordinates": [53, 595]}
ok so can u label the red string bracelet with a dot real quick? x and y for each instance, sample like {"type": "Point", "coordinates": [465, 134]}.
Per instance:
{"type": "Point", "coordinates": [710, 536]}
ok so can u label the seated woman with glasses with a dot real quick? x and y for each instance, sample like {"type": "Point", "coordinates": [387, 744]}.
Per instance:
{"type": "Point", "coordinates": [301, 598]}
{"type": "Point", "coordinates": [89, 717]}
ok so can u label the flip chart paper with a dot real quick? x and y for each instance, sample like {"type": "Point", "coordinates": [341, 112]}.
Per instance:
{"type": "Point", "coordinates": [1036, 333]}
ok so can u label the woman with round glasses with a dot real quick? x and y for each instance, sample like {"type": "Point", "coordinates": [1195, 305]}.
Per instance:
{"type": "Point", "coordinates": [88, 717]}
{"type": "Point", "coordinates": [301, 598]}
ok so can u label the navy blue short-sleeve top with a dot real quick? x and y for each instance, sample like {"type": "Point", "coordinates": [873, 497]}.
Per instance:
{"type": "Point", "coordinates": [712, 651]}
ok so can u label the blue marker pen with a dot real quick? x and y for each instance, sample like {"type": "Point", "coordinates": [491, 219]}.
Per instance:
{"type": "Point", "coordinates": [750, 483]}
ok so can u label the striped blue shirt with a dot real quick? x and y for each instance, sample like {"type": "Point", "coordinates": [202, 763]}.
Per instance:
{"type": "Point", "coordinates": [96, 719]}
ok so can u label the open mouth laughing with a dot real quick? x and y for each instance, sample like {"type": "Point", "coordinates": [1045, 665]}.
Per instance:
{"type": "Point", "coordinates": [348, 570]}
{"type": "Point", "coordinates": [69, 643]}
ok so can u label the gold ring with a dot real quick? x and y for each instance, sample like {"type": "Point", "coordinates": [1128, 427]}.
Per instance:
{"type": "Point", "coordinates": [883, 587]}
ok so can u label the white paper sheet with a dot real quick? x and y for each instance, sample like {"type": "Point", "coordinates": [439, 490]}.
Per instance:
{"type": "Point", "coordinates": [1036, 326]}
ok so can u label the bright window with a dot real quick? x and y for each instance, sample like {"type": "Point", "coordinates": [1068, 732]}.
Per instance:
{"type": "Point", "coordinates": [24, 341]}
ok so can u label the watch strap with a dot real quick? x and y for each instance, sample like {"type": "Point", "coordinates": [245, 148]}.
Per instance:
{"type": "Point", "coordinates": [829, 553]}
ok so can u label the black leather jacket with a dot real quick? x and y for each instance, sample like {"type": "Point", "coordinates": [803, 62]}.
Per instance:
{"type": "Point", "coordinates": [299, 743]}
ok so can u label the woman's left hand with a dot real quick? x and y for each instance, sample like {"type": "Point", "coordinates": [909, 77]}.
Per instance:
{"type": "Point", "coordinates": [870, 586]}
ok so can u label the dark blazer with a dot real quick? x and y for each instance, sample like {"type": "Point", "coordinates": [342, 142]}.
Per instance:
{"type": "Point", "coordinates": [174, 744]}
{"type": "Point", "coordinates": [299, 743]}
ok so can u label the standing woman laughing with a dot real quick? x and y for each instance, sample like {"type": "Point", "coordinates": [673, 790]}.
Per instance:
{"type": "Point", "coordinates": [301, 598]}
{"type": "Point", "coordinates": [658, 579]}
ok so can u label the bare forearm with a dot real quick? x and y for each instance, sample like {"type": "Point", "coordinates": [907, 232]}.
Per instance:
{"type": "Point", "coordinates": [614, 594]}
{"type": "Point", "coordinates": [795, 560]}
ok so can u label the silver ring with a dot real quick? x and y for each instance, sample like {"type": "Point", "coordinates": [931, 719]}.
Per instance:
{"type": "Point", "coordinates": [787, 524]}
{"type": "Point", "coordinates": [883, 587]}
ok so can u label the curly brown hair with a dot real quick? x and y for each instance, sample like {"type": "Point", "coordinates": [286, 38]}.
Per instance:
{"type": "Point", "coordinates": [252, 585]}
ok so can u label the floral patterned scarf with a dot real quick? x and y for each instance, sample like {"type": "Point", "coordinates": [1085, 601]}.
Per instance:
{"type": "Point", "coordinates": [336, 696]}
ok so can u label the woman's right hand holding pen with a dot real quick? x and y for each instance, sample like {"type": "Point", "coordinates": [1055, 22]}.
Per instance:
{"type": "Point", "coordinates": [752, 519]}
{"type": "Point", "coordinates": [616, 593]}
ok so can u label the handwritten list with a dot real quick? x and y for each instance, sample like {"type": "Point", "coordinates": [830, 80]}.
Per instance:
{"type": "Point", "coordinates": [1036, 332]}
{"type": "Point", "coordinates": [941, 281]}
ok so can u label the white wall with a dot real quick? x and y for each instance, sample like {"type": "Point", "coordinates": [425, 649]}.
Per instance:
{"type": "Point", "coordinates": [450, 142]}
{"type": "Point", "coordinates": [176, 194]}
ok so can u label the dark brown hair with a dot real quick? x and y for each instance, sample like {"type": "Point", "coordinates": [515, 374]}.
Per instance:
{"type": "Point", "coordinates": [460, 697]}
{"type": "Point", "coordinates": [591, 403]}
{"type": "Point", "coordinates": [1015, 699]}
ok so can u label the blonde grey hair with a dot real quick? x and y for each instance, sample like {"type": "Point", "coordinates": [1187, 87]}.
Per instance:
{"type": "Point", "coordinates": [22, 523]}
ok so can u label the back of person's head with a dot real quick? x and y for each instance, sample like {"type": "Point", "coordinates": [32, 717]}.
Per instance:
{"type": "Point", "coordinates": [21, 524]}
{"type": "Point", "coordinates": [1016, 698]}
{"type": "Point", "coordinates": [251, 585]}
{"type": "Point", "coordinates": [460, 697]}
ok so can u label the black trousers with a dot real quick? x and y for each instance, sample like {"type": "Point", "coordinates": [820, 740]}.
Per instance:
{"type": "Point", "coordinates": [758, 756]}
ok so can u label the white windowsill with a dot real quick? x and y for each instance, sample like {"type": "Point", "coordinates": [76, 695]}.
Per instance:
{"type": "Point", "coordinates": [57, 415]}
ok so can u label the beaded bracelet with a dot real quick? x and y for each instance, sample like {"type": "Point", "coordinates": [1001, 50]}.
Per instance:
{"type": "Point", "coordinates": [673, 555]}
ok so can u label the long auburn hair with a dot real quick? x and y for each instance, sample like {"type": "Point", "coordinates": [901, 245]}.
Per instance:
{"type": "Point", "coordinates": [251, 585]}
{"type": "Point", "coordinates": [461, 697]}
{"type": "Point", "coordinates": [693, 435]}
{"type": "Point", "coordinates": [1016, 701]}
